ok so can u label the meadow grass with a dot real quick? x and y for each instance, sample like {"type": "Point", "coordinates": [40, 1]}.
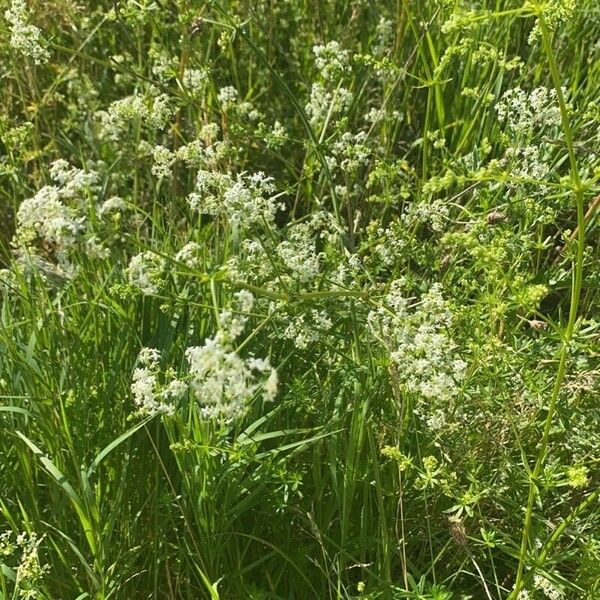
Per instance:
{"type": "Point", "coordinates": [298, 299]}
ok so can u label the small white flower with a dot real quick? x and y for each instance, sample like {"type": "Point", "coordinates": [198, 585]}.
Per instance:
{"type": "Point", "coordinates": [113, 204]}
{"type": "Point", "coordinates": [547, 588]}
{"type": "Point", "coordinates": [25, 37]}
{"type": "Point", "coordinates": [149, 357]}
{"type": "Point", "coordinates": [163, 162]}
{"type": "Point", "coordinates": [325, 103]}
{"type": "Point", "coordinates": [299, 253]}
{"type": "Point", "coordinates": [194, 80]}
{"type": "Point", "coordinates": [149, 396]}
{"type": "Point", "coordinates": [223, 381]}
{"type": "Point", "coordinates": [45, 217]}
{"type": "Point", "coordinates": [417, 340]}
{"type": "Point", "coordinates": [190, 255]}
{"type": "Point", "coordinates": [331, 60]}
{"type": "Point", "coordinates": [271, 385]}
{"type": "Point", "coordinates": [527, 113]}
{"type": "Point", "coordinates": [145, 271]}
{"type": "Point", "coordinates": [227, 96]}
{"type": "Point", "coordinates": [245, 200]}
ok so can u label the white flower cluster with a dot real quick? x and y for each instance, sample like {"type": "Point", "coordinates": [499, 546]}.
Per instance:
{"type": "Point", "coordinates": [324, 105]}
{"type": "Point", "coordinates": [294, 260]}
{"type": "Point", "coordinates": [146, 272]}
{"type": "Point", "coordinates": [95, 249]}
{"type": "Point", "coordinates": [150, 396]}
{"type": "Point", "coordinates": [250, 264]}
{"type": "Point", "coordinates": [29, 264]}
{"type": "Point", "coordinates": [331, 60]}
{"type": "Point", "coordinates": [304, 330]}
{"type": "Point", "coordinates": [194, 80]}
{"type": "Point", "coordinates": [120, 113]}
{"type": "Point", "coordinates": [206, 151]}
{"type": "Point", "coordinates": [233, 321]}
{"type": "Point", "coordinates": [529, 162]}
{"type": "Point", "coordinates": [327, 98]}
{"type": "Point", "coordinates": [547, 588]}
{"type": "Point", "coordinates": [392, 243]}
{"type": "Point", "coordinates": [526, 116]}
{"type": "Point", "coordinates": [159, 112]}
{"type": "Point", "coordinates": [45, 217]}
{"type": "Point", "coordinates": [164, 66]}
{"type": "Point", "coordinates": [245, 200]}
{"type": "Point", "coordinates": [556, 13]}
{"type": "Point", "coordinates": [227, 96]}
{"type": "Point", "coordinates": [203, 153]}
{"type": "Point", "coordinates": [154, 111]}
{"type": "Point", "coordinates": [25, 37]}
{"type": "Point", "coordinates": [416, 337]}
{"type": "Point", "coordinates": [377, 114]}
{"type": "Point", "coordinates": [30, 572]}
{"type": "Point", "coordinates": [349, 152]}
{"type": "Point", "coordinates": [55, 215]}
{"type": "Point", "coordinates": [348, 271]}
{"type": "Point", "coordinates": [114, 204]}
{"type": "Point", "coordinates": [190, 255]}
{"type": "Point", "coordinates": [71, 180]}
{"type": "Point", "coordinates": [299, 254]}
{"type": "Point", "coordinates": [8, 280]}
{"type": "Point", "coordinates": [163, 162]}
{"type": "Point", "coordinates": [222, 380]}
{"type": "Point", "coordinates": [528, 113]}
{"type": "Point", "coordinates": [140, 13]}
{"type": "Point", "coordinates": [434, 213]}
{"type": "Point", "coordinates": [385, 36]}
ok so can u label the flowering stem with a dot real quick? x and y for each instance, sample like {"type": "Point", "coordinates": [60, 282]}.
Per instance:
{"type": "Point", "coordinates": [319, 295]}
{"type": "Point", "coordinates": [574, 305]}
{"type": "Point", "coordinates": [294, 102]}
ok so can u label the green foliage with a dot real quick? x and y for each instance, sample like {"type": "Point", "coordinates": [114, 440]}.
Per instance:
{"type": "Point", "coordinates": [298, 299]}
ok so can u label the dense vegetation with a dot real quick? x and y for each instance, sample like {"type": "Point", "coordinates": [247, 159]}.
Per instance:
{"type": "Point", "coordinates": [299, 299]}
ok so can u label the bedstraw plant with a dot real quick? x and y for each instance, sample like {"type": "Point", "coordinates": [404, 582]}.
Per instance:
{"type": "Point", "coordinates": [299, 299]}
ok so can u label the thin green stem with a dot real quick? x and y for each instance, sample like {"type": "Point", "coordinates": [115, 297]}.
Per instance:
{"type": "Point", "coordinates": [574, 306]}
